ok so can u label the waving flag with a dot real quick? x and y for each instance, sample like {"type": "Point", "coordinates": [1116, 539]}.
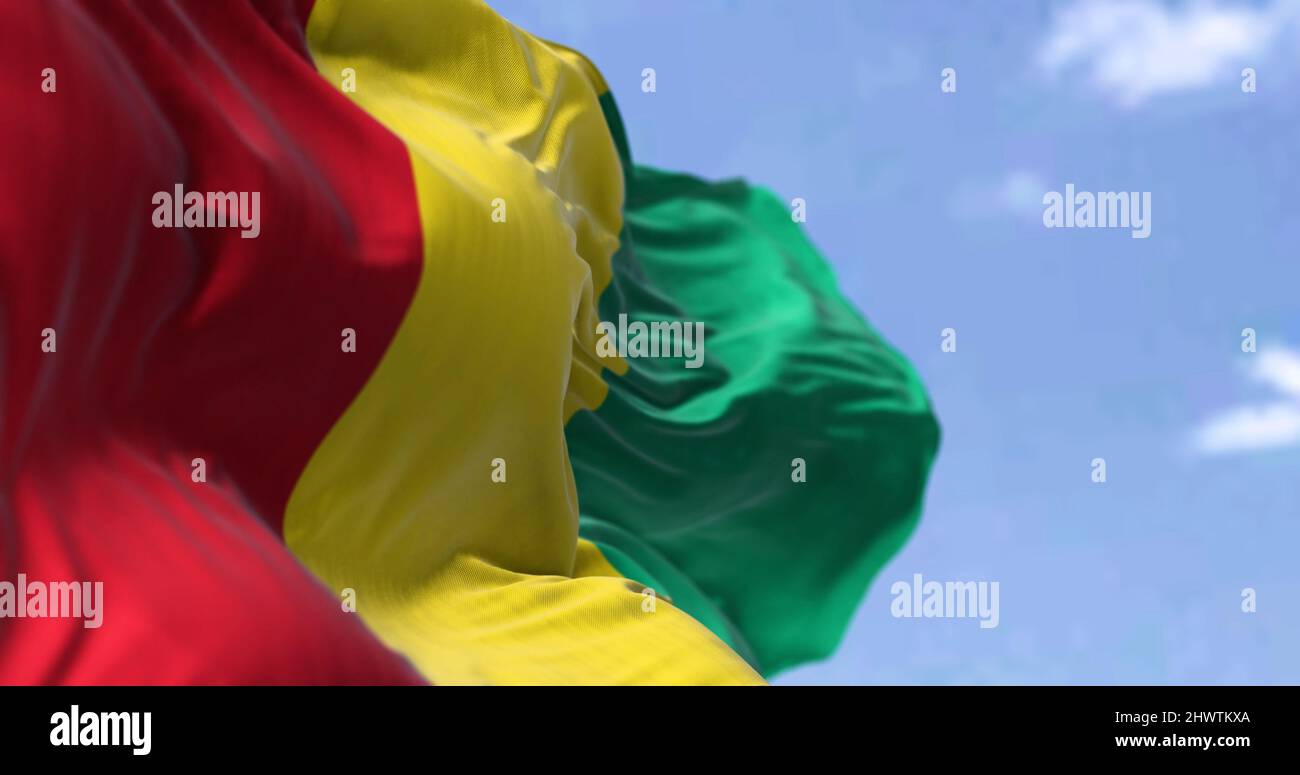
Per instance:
{"type": "Point", "coordinates": [315, 345]}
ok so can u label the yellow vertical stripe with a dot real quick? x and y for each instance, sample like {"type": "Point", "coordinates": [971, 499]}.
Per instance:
{"type": "Point", "coordinates": [476, 580]}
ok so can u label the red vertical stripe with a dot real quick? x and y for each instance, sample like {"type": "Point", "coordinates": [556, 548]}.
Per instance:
{"type": "Point", "coordinates": [183, 343]}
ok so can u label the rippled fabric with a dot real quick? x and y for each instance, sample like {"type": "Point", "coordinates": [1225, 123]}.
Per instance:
{"type": "Point", "coordinates": [687, 477]}
{"type": "Point", "coordinates": [520, 188]}
{"type": "Point", "coordinates": [168, 346]}
{"type": "Point", "coordinates": [379, 442]}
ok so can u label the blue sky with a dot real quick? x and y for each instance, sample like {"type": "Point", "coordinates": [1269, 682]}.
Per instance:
{"type": "Point", "coordinates": [1072, 344]}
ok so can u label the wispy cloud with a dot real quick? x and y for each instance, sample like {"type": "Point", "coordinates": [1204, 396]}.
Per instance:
{"type": "Point", "coordinates": [1273, 424]}
{"type": "Point", "coordinates": [1131, 50]}
{"type": "Point", "coordinates": [1018, 192]}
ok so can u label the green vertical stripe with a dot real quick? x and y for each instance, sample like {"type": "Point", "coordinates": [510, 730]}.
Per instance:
{"type": "Point", "coordinates": [684, 475]}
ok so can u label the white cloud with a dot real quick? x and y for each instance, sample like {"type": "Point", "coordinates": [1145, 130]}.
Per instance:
{"type": "Point", "coordinates": [1134, 50]}
{"type": "Point", "coordinates": [1281, 369]}
{"type": "Point", "coordinates": [1019, 192]}
{"type": "Point", "coordinates": [1271, 425]}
